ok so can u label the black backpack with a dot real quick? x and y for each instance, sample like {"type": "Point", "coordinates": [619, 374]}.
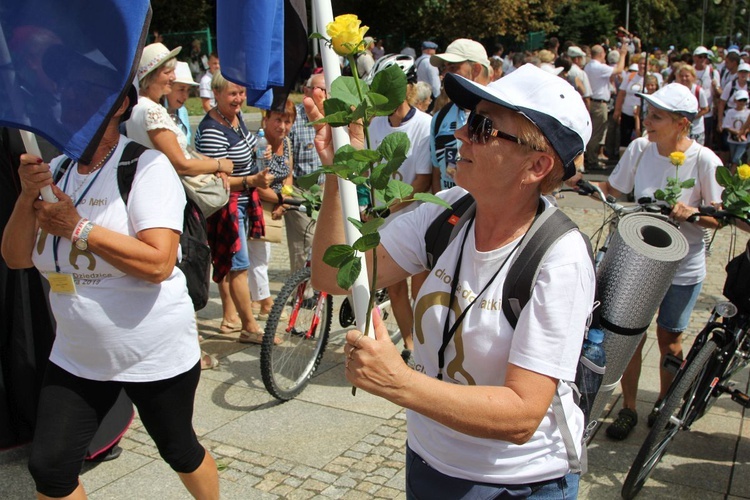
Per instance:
{"type": "Point", "coordinates": [196, 255]}
{"type": "Point", "coordinates": [549, 226]}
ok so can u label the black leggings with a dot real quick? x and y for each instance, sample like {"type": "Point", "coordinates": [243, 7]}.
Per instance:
{"type": "Point", "coordinates": [71, 408]}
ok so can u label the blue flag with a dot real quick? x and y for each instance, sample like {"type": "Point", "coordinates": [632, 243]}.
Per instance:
{"type": "Point", "coordinates": [64, 65]}
{"type": "Point", "coordinates": [262, 46]}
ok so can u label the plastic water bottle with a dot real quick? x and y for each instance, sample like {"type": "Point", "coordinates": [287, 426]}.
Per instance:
{"type": "Point", "coordinates": [590, 370]}
{"type": "Point", "coordinates": [260, 151]}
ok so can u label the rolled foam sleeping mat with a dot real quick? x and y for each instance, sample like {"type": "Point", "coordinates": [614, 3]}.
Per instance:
{"type": "Point", "coordinates": [633, 277]}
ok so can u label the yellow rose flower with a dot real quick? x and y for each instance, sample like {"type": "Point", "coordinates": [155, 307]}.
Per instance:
{"type": "Point", "coordinates": [346, 34]}
{"type": "Point", "coordinates": [287, 190]}
{"type": "Point", "coordinates": [743, 171]}
{"type": "Point", "coordinates": [677, 158]}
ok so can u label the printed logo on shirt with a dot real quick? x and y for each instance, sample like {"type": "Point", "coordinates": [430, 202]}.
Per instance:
{"type": "Point", "coordinates": [454, 368]}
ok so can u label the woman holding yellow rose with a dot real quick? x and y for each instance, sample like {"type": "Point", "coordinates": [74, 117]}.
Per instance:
{"type": "Point", "coordinates": [646, 167]}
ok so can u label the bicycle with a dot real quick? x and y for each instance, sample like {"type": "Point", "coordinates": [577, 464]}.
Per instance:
{"type": "Point", "coordinates": [297, 331]}
{"type": "Point", "coordinates": [720, 351]}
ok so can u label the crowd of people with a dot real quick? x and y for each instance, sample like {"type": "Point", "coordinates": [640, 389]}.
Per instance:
{"type": "Point", "coordinates": [507, 129]}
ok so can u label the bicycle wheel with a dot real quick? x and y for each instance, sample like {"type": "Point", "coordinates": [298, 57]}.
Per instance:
{"type": "Point", "coordinates": [383, 301]}
{"type": "Point", "coordinates": [673, 416]}
{"type": "Point", "coordinates": [293, 346]}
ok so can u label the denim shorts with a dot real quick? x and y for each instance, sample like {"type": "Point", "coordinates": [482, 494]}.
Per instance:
{"type": "Point", "coordinates": [423, 482]}
{"type": "Point", "coordinates": [677, 306]}
{"type": "Point", "coordinates": [240, 260]}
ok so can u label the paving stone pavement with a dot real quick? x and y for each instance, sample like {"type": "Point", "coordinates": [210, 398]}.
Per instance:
{"type": "Point", "coordinates": [327, 444]}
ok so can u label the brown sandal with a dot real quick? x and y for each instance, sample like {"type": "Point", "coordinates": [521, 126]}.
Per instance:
{"type": "Point", "coordinates": [227, 327]}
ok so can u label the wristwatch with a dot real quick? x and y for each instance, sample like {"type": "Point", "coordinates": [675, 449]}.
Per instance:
{"type": "Point", "coordinates": [82, 243]}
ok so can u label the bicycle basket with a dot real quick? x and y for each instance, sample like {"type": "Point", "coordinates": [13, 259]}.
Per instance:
{"type": "Point", "coordinates": [737, 285]}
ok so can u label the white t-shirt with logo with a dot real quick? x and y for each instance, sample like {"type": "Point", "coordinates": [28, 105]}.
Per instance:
{"type": "Point", "coordinates": [118, 327]}
{"type": "Point", "coordinates": [417, 128]}
{"type": "Point", "coordinates": [735, 119]}
{"type": "Point", "coordinates": [546, 340]}
{"type": "Point", "coordinates": [651, 173]}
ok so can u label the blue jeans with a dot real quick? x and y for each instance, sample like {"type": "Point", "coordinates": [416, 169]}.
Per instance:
{"type": "Point", "coordinates": [241, 260]}
{"type": "Point", "coordinates": [677, 306]}
{"type": "Point", "coordinates": [423, 483]}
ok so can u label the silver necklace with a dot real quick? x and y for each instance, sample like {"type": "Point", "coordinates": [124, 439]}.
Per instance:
{"type": "Point", "coordinates": [87, 176]}
{"type": "Point", "coordinates": [236, 129]}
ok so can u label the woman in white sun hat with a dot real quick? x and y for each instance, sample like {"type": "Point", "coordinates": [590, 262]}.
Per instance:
{"type": "Point", "coordinates": [480, 416]}
{"type": "Point", "coordinates": [175, 100]}
{"type": "Point", "coordinates": [150, 123]}
{"type": "Point", "coordinates": [645, 167]}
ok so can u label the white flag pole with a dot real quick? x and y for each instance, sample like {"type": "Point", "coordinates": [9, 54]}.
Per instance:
{"type": "Point", "coordinates": [347, 190]}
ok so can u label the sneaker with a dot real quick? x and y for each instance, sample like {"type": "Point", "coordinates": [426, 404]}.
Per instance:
{"type": "Point", "coordinates": [622, 426]}
{"type": "Point", "coordinates": [408, 358]}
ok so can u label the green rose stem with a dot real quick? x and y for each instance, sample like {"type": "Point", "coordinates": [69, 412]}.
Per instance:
{"type": "Point", "coordinates": [373, 282]}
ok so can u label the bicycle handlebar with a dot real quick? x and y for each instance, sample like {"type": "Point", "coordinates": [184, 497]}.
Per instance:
{"type": "Point", "coordinates": [712, 211]}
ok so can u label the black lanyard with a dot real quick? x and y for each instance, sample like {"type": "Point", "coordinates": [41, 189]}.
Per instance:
{"type": "Point", "coordinates": [56, 239]}
{"type": "Point", "coordinates": [450, 331]}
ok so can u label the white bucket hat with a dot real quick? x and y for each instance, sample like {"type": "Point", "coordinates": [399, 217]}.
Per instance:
{"type": "Point", "coordinates": [182, 74]}
{"type": "Point", "coordinates": [675, 98]}
{"type": "Point", "coordinates": [549, 102]}
{"type": "Point", "coordinates": [153, 56]}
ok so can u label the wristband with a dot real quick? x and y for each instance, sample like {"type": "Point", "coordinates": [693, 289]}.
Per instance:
{"type": "Point", "coordinates": [244, 183]}
{"type": "Point", "coordinates": [218, 166]}
{"type": "Point", "coordinates": [77, 231]}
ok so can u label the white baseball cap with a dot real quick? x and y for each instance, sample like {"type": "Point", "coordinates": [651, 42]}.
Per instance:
{"type": "Point", "coordinates": [701, 51]}
{"type": "Point", "coordinates": [182, 74]}
{"type": "Point", "coordinates": [675, 98]}
{"type": "Point", "coordinates": [741, 95]}
{"type": "Point", "coordinates": [743, 67]}
{"type": "Point", "coordinates": [462, 50]}
{"type": "Point", "coordinates": [549, 102]}
{"type": "Point", "coordinates": [574, 51]}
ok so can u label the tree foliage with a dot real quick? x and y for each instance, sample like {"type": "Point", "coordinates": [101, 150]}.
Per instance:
{"type": "Point", "coordinates": [585, 22]}
{"type": "Point", "coordinates": [446, 20]}
{"type": "Point", "coordinates": [183, 15]}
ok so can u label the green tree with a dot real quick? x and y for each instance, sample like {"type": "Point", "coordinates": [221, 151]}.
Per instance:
{"type": "Point", "coordinates": [182, 15]}
{"type": "Point", "coordinates": [585, 22]}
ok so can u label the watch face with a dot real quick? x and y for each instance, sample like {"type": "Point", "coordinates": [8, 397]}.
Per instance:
{"type": "Point", "coordinates": [81, 244]}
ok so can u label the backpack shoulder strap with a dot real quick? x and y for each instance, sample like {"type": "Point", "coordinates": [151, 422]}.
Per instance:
{"type": "Point", "coordinates": [551, 225]}
{"type": "Point", "coordinates": [577, 464]}
{"type": "Point", "coordinates": [61, 169]}
{"type": "Point", "coordinates": [439, 117]}
{"type": "Point", "coordinates": [127, 166]}
{"type": "Point", "coordinates": [446, 226]}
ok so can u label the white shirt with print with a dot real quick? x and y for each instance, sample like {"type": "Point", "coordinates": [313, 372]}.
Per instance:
{"type": "Point", "coordinates": [546, 340]}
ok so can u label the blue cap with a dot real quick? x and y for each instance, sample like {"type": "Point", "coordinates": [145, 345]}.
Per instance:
{"type": "Point", "coordinates": [429, 45]}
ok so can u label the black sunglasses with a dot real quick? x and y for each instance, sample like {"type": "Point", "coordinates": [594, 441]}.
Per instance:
{"type": "Point", "coordinates": [481, 131]}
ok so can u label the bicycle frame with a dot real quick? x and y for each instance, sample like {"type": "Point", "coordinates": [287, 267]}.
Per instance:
{"type": "Point", "coordinates": [319, 304]}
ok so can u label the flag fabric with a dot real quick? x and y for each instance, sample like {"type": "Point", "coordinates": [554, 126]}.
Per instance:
{"type": "Point", "coordinates": [64, 65]}
{"type": "Point", "coordinates": [262, 46]}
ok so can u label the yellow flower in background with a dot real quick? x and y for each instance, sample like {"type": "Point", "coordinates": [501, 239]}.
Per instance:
{"type": "Point", "coordinates": [743, 171]}
{"type": "Point", "coordinates": [677, 158]}
{"type": "Point", "coordinates": [287, 190]}
{"type": "Point", "coordinates": [346, 34]}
